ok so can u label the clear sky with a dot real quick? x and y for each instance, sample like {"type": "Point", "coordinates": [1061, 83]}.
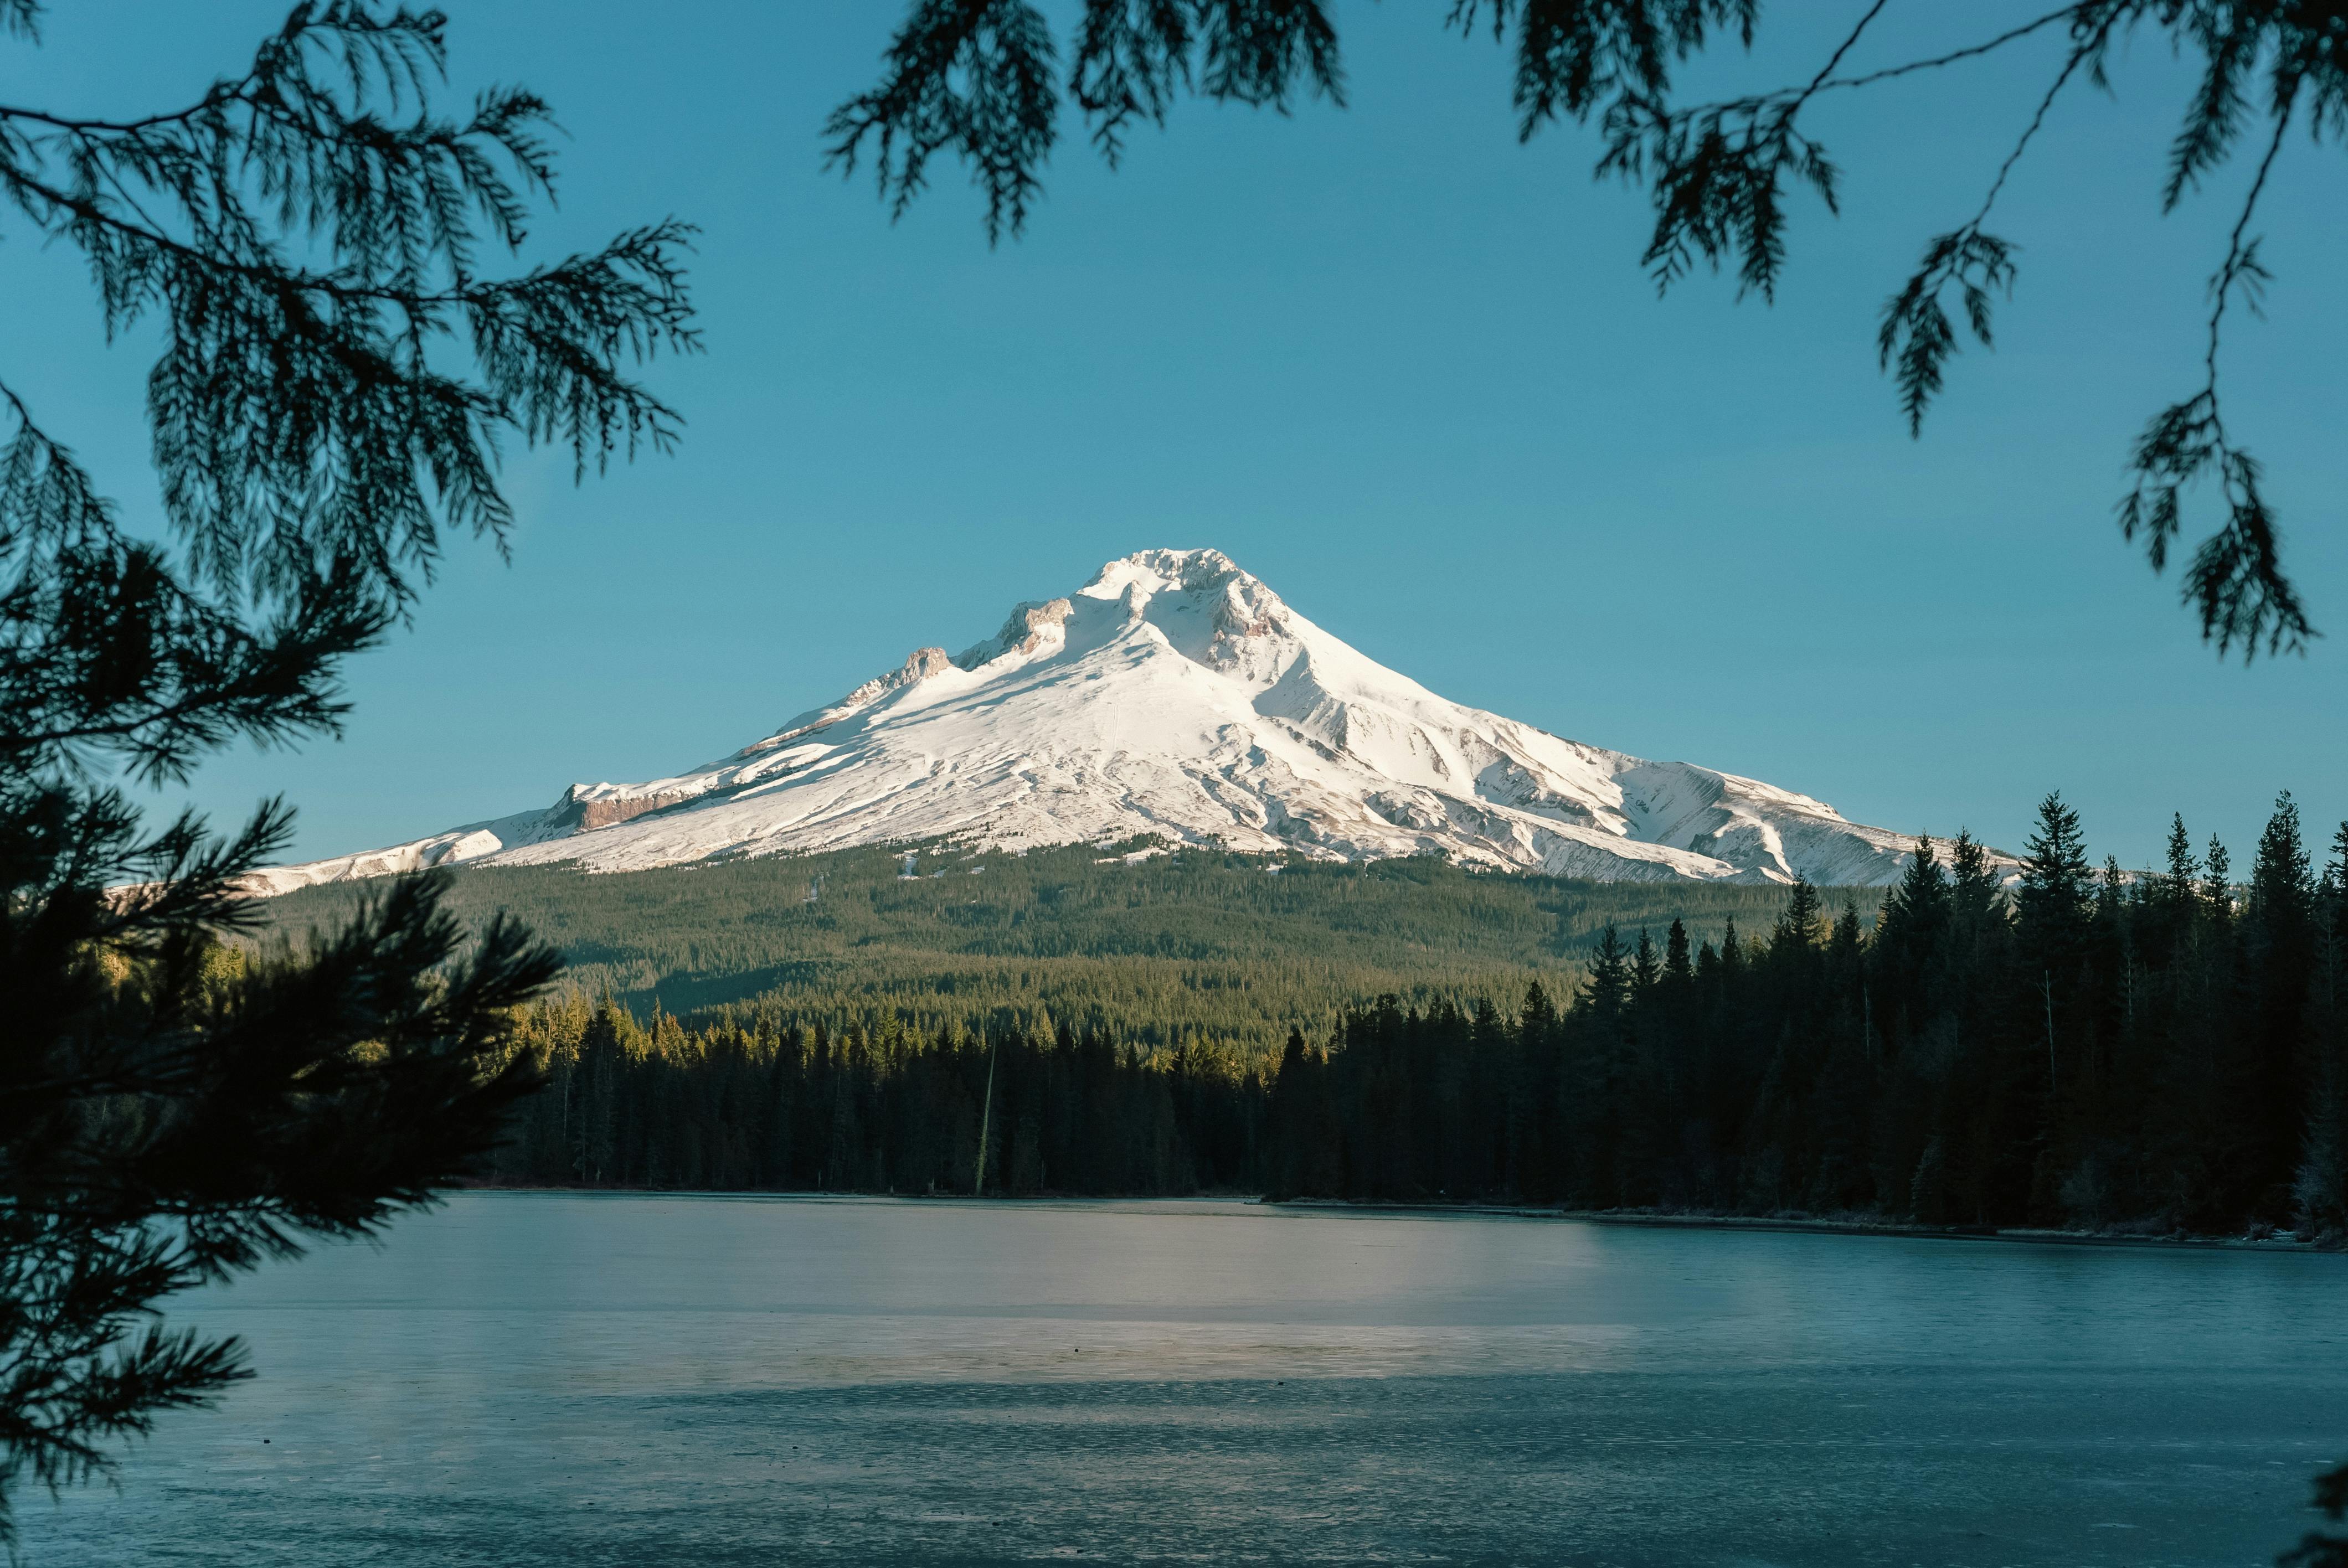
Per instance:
{"type": "Point", "coordinates": [1403, 368]}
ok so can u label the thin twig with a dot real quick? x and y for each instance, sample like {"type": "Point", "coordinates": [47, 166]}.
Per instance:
{"type": "Point", "coordinates": [2079, 54]}
{"type": "Point", "coordinates": [2237, 253]}
{"type": "Point", "coordinates": [1971, 51]}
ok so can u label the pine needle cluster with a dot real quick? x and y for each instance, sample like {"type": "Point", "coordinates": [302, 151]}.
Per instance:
{"type": "Point", "coordinates": [308, 244]}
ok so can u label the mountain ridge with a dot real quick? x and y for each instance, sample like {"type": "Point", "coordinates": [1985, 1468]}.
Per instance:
{"type": "Point", "coordinates": [1177, 695]}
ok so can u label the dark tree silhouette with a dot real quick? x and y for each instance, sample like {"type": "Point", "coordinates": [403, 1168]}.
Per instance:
{"type": "Point", "coordinates": [335, 372]}
{"type": "Point", "coordinates": [2323, 1547]}
{"type": "Point", "coordinates": [2082, 1050]}
{"type": "Point", "coordinates": [981, 80]}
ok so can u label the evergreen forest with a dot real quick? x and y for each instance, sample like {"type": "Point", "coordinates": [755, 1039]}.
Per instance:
{"type": "Point", "coordinates": [2066, 1045]}
{"type": "Point", "coordinates": [1157, 949]}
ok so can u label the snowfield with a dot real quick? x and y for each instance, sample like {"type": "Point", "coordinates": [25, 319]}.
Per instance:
{"type": "Point", "coordinates": [1176, 695]}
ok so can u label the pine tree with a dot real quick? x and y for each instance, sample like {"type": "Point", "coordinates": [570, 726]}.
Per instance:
{"type": "Point", "coordinates": [1608, 991]}
{"type": "Point", "coordinates": [1537, 1143]}
{"type": "Point", "coordinates": [2218, 885]}
{"type": "Point", "coordinates": [1914, 923]}
{"type": "Point", "coordinates": [1845, 941]}
{"type": "Point", "coordinates": [2320, 1183]}
{"type": "Point", "coordinates": [2184, 877]}
{"type": "Point", "coordinates": [2282, 883]}
{"type": "Point", "coordinates": [1593, 1108]}
{"type": "Point", "coordinates": [312, 244]}
{"type": "Point", "coordinates": [1676, 970]}
{"type": "Point", "coordinates": [1919, 905]}
{"type": "Point", "coordinates": [2175, 895]}
{"type": "Point", "coordinates": [1797, 927]}
{"type": "Point", "coordinates": [2278, 939]}
{"type": "Point", "coordinates": [2056, 898]}
{"type": "Point", "coordinates": [1975, 893]}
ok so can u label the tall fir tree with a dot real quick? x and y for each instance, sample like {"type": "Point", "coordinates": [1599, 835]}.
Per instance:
{"type": "Point", "coordinates": [2055, 900]}
{"type": "Point", "coordinates": [2279, 946]}
{"type": "Point", "coordinates": [2183, 878]}
{"type": "Point", "coordinates": [1677, 970]}
{"type": "Point", "coordinates": [1646, 965]}
{"type": "Point", "coordinates": [2218, 879]}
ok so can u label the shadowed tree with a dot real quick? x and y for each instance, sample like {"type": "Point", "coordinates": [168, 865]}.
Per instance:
{"type": "Point", "coordinates": [2320, 1186]}
{"type": "Point", "coordinates": [2323, 1547]}
{"type": "Point", "coordinates": [982, 81]}
{"type": "Point", "coordinates": [1676, 969]}
{"type": "Point", "coordinates": [305, 245]}
{"type": "Point", "coordinates": [2280, 937]}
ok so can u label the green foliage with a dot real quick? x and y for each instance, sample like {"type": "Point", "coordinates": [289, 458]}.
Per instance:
{"type": "Point", "coordinates": [2056, 895]}
{"type": "Point", "coordinates": [980, 80]}
{"type": "Point", "coordinates": [2089, 1052]}
{"type": "Point", "coordinates": [889, 1109]}
{"type": "Point", "coordinates": [2091, 1057]}
{"type": "Point", "coordinates": [304, 239]}
{"type": "Point", "coordinates": [1171, 947]}
{"type": "Point", "coordinates": [306, 416]}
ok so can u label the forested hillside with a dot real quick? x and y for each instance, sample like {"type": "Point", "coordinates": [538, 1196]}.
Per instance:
{"type": "Point", "coordinates": [2164, 1052]}
{"type": "Point", "coordinates": [1168, 948]}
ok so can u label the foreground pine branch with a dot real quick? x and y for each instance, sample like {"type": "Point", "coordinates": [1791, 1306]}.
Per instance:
{"type": "Point", "coordinates": [980, 80]}
{"type": "Point", "coordinates": [339, 371]}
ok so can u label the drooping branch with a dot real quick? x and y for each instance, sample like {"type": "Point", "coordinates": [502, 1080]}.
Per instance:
{"type": "Point", "coordinates": [280, 377]}
{"type": "Point", "coordinates": [975, 78]}
{"type": "Point", "coordinates": [1916, 332]}
{"type": "Point", "coordinates": [337, 372]}
{"type": "Point", "coordinates": [979, 79]}
{"type": "Point", "coordinates": [2235, 580]}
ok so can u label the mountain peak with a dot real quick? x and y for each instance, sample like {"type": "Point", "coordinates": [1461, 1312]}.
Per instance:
{"type": "Point", "coordinates": [1157, 571]}
{"type": "Point", "coordinates": [1175, 695]}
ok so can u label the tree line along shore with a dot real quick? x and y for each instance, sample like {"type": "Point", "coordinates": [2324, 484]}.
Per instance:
{"type": "Point", "coordinates": [2159, 1053]}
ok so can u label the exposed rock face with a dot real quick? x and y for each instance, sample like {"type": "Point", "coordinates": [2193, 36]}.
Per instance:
{"type": "Point", "coordinates": [1176, 694]}
{"type": "Point", "coordinates": [920, 665]}
{"type": "Point", "coordinates": [1029, 628]}
{"type": "Point", "coordinates": [584, 813]}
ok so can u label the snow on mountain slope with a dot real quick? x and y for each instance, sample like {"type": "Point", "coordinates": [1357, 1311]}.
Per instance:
{"type": "Point", "coordinates": [1174, 694]}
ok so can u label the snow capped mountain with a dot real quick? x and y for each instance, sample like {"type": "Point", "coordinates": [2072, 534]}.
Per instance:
{"type": "Point", "coordinates": [1174, 694]}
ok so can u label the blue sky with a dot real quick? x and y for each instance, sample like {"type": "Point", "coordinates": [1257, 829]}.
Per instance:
{"type": "Point", "coordinates": [1403, 368]}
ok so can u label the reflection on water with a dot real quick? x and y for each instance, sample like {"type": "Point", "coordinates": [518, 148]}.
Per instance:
{"type": "Point", "coordinates": [525, 1378]}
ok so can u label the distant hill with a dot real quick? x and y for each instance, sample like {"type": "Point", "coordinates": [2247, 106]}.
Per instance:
{"type": "Point", "coordinates": [1220, 945]}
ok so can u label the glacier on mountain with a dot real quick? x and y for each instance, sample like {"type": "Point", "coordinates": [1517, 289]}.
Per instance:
{"type": "Point", "coordinates": [1174, 695]}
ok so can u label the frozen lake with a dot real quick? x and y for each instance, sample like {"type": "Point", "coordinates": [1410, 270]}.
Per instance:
{"type": "Point", "coordinates": [534, 1379]}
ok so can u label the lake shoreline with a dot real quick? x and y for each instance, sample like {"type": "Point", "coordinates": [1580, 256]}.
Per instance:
{"type": "Point", "coordinates": [1649, 1219]}
{"type": "Point", "coordinates": [1834, 1226]}
{"type": "Point", "coordinates": [2035, 1235]}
